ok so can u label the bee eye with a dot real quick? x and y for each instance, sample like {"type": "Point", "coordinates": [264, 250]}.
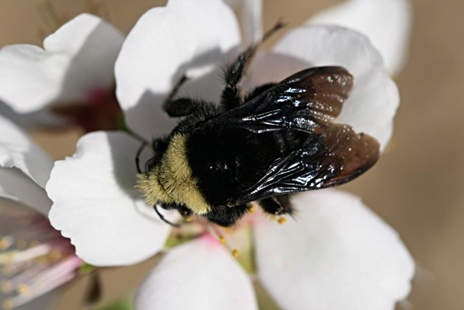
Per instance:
{"type": "Point", "coordinates": [150, 164]}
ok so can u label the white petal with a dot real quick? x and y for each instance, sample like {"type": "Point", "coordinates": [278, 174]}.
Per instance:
{"type": "Point", "coordinates": [387, 23]}
{"type": "Point", "coordinates": [17, 150]}
{"type": "Point", "coordinates": [185, 37]}
{"type": "Point", "coordinates": [17, 186]}
{"type": "Point", "coordinates": [336, 254]}
{"type": "Point", "coordinates": [200, 274]}
{"type": "Point", "coordinates": [78, 58]}
{"type": "Point", "coordinates": [250, 12]}
{"type": "Point", "coordinates": [374, 99]}
{"type": "Point", "coordinates": [96, 205]}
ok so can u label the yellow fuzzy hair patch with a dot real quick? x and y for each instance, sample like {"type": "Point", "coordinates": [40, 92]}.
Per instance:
{"type": "Point", "coordinates": [171, 181]}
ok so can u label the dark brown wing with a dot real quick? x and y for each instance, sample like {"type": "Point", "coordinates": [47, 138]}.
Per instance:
{"type": "Point", "coordinates": [301, 102]}
{"type": "Point", "coordinates": [306, 102]}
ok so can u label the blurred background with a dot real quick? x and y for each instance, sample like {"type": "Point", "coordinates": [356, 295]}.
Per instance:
{"type": "Point", "coordinates": [417, 187]}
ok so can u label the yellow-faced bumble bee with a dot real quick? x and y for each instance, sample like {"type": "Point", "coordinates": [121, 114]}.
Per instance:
{"type": "Point", "coordinates": [277, 140]}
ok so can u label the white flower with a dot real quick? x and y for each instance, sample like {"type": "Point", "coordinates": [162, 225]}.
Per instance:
{"type": "Point", "coordinates": [387, 23]}
{"type": "Point", "coordinates": [71, 76]}
{"type": "Point", "coordinates": [336, 254]}
{"type": "Point", "coordinates": [34, 257]}
{"type": "Point", "coordinates": [71, 79]}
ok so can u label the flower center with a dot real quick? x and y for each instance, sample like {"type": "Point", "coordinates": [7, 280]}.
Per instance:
{"type": "Point", "coordinates": [99, 111]}
{"type": "Point", "coordinates": [34, 259]}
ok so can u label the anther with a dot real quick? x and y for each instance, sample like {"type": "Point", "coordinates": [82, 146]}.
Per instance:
{"type": "Point", "coordinates": [235, 253]}
{"type": "Point", "coordinates": [23, 289]}
{"type": "Point", "coordinates": [5, 243]}
{"type": "Point", "coordinates": [281, 220]}
{"type": "Point", "coordinates": [222, 239]}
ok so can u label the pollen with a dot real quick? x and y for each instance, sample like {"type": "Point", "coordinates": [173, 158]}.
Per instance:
{"type": "Point", "coordinates": [235, 253]}
{"type": "Point", "coordinates": [222, 239]}
{"type": "Point", "coordinates": [251, 209]}
{"type": "Point", "coordinates": [5, 243]}
{"type": "Point", "coordinates": [24, 289]}
{"type": "Point", "coordinates": [281, 220]}
{"type": "Point", "coordinates": [188, 219]}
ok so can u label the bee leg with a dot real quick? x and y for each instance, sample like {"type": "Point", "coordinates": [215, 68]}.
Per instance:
{"type": "Point", "coordinates": [137, 157]}
{"type": "Point", "coordinates": [177, 107]}
{"type": "Point", "coordinates": [226, 216]}
{"type": "Point", "coordinates": [230, 97]}
{"type": "Point", "coordinates": [162, 217]}
{"type": "Point", "coordinates": [183, 106]}
{"type": "Point", "coordinates": [277, 205]}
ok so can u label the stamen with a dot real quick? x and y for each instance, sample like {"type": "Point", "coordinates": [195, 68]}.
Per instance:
{"type": "Point", "coordinates": [30, 273]}
{"type": "Point", "coordinates": [34, 259]}
{"type": "Point", "coordinates": [282, 220]}
{"type": "Point", "coordinates": [21, 256]}
{"type": "Point", "coordinates": [24, 289]}
{"type": "Point", "coordinates": [21, 299]}
{"type": "Point", "coordinates": [251, 209]}
{"type": "Point", "coordinates": [235, 253]}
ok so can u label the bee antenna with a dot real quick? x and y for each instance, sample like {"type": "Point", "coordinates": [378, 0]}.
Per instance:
{"type": "Point", "coordinates": [137, 157]}
{"type": "Point", "coordinates": [162, 217]}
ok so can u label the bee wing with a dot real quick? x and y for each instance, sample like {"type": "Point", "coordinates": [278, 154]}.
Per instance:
{"type": "Point", "coordinates": [331, 158]}
{"type": "Point", "coordinates": [304, 102]}
{"type": "Point", "coordinates": [307, 101]}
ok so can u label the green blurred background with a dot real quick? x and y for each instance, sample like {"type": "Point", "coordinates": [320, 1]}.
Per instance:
{"type": "Point", "coordinates": [417, 186]}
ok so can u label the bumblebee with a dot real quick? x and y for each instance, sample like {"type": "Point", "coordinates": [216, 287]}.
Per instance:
{"type": "Point", "coordinates": [277, 140]}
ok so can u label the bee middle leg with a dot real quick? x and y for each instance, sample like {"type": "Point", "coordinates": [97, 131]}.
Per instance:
{"type": "Point", "coordinates": [231, 97]}
{"type": "Point", "coordinates": [277, 205]}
